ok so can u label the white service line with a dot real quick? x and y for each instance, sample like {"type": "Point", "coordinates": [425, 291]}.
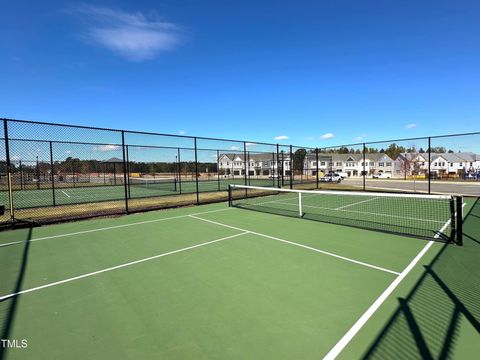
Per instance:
{"type": "Point", "coordinates": [350, 334]}
{"type": "Point", "coordinates": [355, 203]}
{"type": "Point", "coordinates": [65, 194]}
{"type": "Point", "coordinates": [110, 227]}
{"type": "Point", "coordinates": [300, 245]}
{"type": "Point", "coordinates": [117, 267]}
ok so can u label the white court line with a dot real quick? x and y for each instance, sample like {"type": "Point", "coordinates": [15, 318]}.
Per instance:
{"type": "Point", "coordinates": [110, 227]}
{"type": "Point", "coordinates": [299, 245]}
{"type": "Point", "coordinates": [350, 334]}
{"type": "Point", "coordinates": [65, 194]}
{"type": "Point", "coordinates": [355, 203]}
{"type": "Point", "coordinates": [117, 267]}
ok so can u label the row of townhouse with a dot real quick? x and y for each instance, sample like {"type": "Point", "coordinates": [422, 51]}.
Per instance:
{"type": "Point", "coordinates": [441, 164]}
{"type": "Point", "coordinates": [406, 164]}
{"type": "Point", "coordinates": [350, 164]}
{"type": "Point", "coordinates": [264, 164]}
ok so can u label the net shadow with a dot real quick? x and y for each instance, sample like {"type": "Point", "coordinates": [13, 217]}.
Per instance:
{"type": "Point", "coordinates": [426, 323]}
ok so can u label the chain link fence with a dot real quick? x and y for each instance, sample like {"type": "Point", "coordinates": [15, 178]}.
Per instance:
{"type": "Point", "coordinates": [52, 172]}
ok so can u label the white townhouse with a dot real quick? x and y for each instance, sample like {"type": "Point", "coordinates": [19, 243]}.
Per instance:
{"type": "Point", "coordinates": [264, 164]}
{"type": "Point", "coordinates": [351, 164]}
{"type": "Point", "coordinates": [441, 164]}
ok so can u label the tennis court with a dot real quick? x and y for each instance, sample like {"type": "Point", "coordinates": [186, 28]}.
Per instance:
{"type": "Point", "coordinates": [218, 282]}
{"type": "Point", "coordinates": [138, 188]}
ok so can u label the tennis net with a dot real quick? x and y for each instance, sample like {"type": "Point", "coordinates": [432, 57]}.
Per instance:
{"type": "Point", "coordinates": [424, 216]}
{"type": "Point", "coordinates": [154, 184]}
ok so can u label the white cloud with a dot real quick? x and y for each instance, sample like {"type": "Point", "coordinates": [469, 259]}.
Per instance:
{"type": "Point", "coordinates": [134, 36]}
{"type": "Point", "coordinates": [281, 137]}
{"type": "Point", "coordinates": [361, 137]}
{"type": "Point", "coordinates": [182, 132]}
{"type": "Point", "coordinates": [234, 148]}
{"type": "Point", "coordinates": [327, 136]}
{"type": "Point", "coordinates": [106, 148]}
{"type": "Point", "coordinates": [249, 144]}
{"type": "Point", "coordinates": [310, 138]}
{"type": "Point", "coordinates": [15, 158]}
{"type": "Point", "coordinates": [411, 126]}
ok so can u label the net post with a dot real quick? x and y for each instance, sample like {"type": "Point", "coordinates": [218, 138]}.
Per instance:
{"type": "Point", "coordinates": [218, 169]}
{"type": "Point", "coordinates": [196, 170]}
{"type": "Point", "coordinates": [364, 168]}
{"type": "Point", "coordinates": [282, 162]}
{"type": "Point", "coordinates": [300, 209]}
{"type": "Point", "coordinates": [52, 173]}
{"type": "Point", "coordinates": [179, 172]}
{"type": "Point", "coordinates": [125, 185]}
{"type": "Point", "coordinates": [429, 163]}
{"type": "Point", "coordinates": [316, 168]}
{"type": "Point", "coordinates": [229, 195]}
{"type": "Point", "coordinates": [290, 165]}
{"type": "Point", "coordinates": [9, 169]}
{"type": "Point", "coordinates": [459, 221]}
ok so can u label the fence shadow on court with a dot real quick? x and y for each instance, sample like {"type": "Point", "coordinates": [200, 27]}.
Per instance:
{"type": "Point", "coordinates": [13, 260]}
{"type": "Point", "coordinates": [426, 323]}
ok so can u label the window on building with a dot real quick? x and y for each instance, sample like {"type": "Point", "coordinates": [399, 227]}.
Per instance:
{"type": "Point", "coordinates": [451, 164]}
{"type": "Point", "coordinates": [322, 163]}
{"type": "Point", "coordinates": [314, 163]}
{"type": "Point", "coordinates": [339, 163]}
{"type": "Point", "coordinates": [372, 164]}
{"type": "Point", "coordinates": [389, 163]}
{"type": "Point", "coordinates": [461, 164]}
{"type": "Point", "coordinates": [435, 164]}
{"type": "Point", "coordinates": [381, 164]}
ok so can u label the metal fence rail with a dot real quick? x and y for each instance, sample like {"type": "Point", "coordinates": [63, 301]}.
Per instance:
{"type": "Point", "coordinates": [51, 172]}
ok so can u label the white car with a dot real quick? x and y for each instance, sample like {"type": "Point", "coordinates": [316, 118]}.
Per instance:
{"type": "Point", "coordinates": [382, 175]}
{"type": "Point", "coordinates": [331, 178]}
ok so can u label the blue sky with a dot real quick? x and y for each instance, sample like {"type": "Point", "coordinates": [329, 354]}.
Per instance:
{"type": "Point", "coordinates": [313, 73]}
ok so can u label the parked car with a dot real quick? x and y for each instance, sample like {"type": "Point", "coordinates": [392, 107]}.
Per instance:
{"type": "Point", "coordinates": [382, 175]}
{"type": "Point", "coordinates": [333, 177]}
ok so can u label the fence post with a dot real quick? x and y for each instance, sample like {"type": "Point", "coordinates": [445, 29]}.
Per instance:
{"type": "Point", "coordinates": [218, 169]}
{"type": "Point", "coordinates": [290, 163]}
{"type": "Point", "coordinates": [196, 170]}
{"type": "Point", "coordinates": [273, 169]}
{"type": "Point", "coordinates": [22, 185]}
{"type": "Point", "coordinates": [52, 173]}
{"type": "Point", "coordinates": [278, 167]}
{"type": "Point", "coordinates": [245, 165]}
{"type": "Point", "coordinates": [9, 170]}
{"type": "Point", "coordinates": [179, 171]}
{"type": "Point", "coordinates": [125, 184]}
{"type": "Point", "coordinates": [364, 169]}
{"type": "Point", "coordinates": [429, 163]}
{"type": "Point", "coordinates": [128, 172]}
{"type": "Point", "coordinates": [316, 159]}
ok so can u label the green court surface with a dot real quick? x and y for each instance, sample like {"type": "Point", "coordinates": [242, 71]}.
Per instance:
{"type": "Point", "coordinates": [216, 282]}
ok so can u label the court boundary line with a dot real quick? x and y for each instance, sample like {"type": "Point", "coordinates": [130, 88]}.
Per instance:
{"type": "Point", "coordinates": [64, 193]}
{"type": "Point", "coordinates": [116, 267]}
{"type": "Point", "coordinates": [300, 245]}
{"type": "Point", "coordinates": [108, 228]}
{"type": "Point", "coordinates": [358, 325]}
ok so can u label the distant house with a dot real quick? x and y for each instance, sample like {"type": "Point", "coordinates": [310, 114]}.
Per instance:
{"type": "Point", "coordinates": [264, 164]}
{"type": "Point", "coordinates": [441, 164]}
{"type": "Point", "coordinates": [350, 164]}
